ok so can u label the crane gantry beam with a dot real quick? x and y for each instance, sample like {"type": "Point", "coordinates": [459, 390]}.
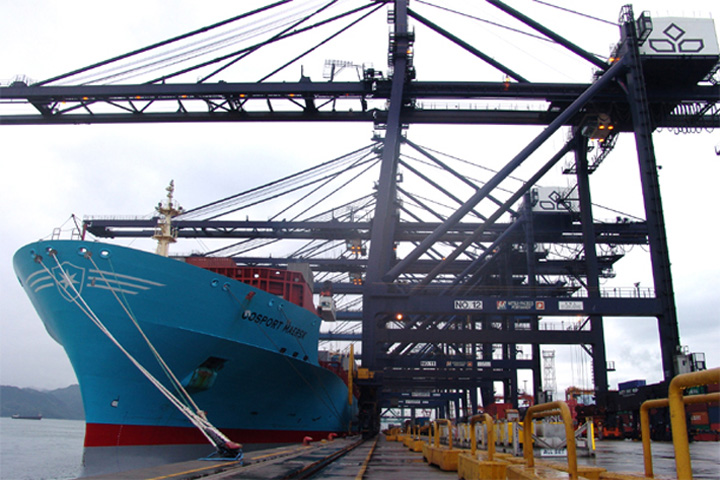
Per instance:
{"type": "Point", "coordinates": [361, 101]}
{"type": "Point", "coordinates": [630, 233]}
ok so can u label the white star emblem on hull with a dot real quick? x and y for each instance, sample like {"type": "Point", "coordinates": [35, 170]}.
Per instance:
{"type": "Point", "coordinates": [70, 279]}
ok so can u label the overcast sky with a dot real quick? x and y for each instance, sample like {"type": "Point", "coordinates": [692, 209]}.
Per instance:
{"type": "Point", "coordinates": [51, 172]}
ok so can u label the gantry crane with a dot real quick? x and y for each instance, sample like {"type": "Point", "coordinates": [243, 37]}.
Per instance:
{"type": "Point", "coordinates": [439, 294]}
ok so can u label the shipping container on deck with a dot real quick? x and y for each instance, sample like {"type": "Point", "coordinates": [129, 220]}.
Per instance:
{"type": "Point", "coordinates": [714, 414]}
{"type": "Point", "coordinates": [498, 410]}
{"type": "Point", "coordinates": [288, 284]}
{"type": "Point", "coordinates": [631, 384]}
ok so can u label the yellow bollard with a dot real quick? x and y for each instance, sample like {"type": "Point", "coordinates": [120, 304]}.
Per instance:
{"type": "Point", "coordinates": [410, 438]}
{"type": "Point", "coordinates": [470, 467]}
{"type": "Point", "coordinates": [401, 437]}
{"type": "Point", "coordinates": [417, 444]}
{"type": "Point", "coordinates": [491, 434]}
{"type": "Point", "coordinates": [544, 410]}
{"type": "Point", "coordinates": [529, 470]}
{"type": "Point", "coordinates": [445, 458]}
{"type": "Point", "coordinates": [392, 434]}
{"type": "Point", "coordinates": [427, 447]}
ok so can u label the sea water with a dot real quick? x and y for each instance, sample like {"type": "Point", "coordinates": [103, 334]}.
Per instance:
{"type": "Point", "coordinates": [44, 449]}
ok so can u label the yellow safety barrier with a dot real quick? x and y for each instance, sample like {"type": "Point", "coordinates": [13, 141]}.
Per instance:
{"type": "Point", "coordinates": [676, 401]}
{"type": "Point", "coordinates": [445, 458]}
{"type": "Point", "coordinates": [396, 434]}
{"type": "Point", "coordinates": [417, 444]}
{"type": "Point", "coordinates": [470, 467]}
{"type": "Point", "coordinates": [677, 415]}
{"type": "Point", "coordinates": [411, 437]}
{"type": "Point", "coordinates": [351, 368]}
{"type": "Point", "coordinates": [529, 471]}
{"type": "Point", "coordinates": [427, 446]}
{"type": "Point", "coordinates": [645, 422]}
{"type": "Point", "coordinates": [588, 472]}
{"type": "Point", "coordinates": [392, 434]}
{"type": "Point", "coordinates": [402, 435]}
{"type": "Point", "coordinates": [491, 434]}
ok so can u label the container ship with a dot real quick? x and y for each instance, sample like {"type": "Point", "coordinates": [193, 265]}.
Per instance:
{"type": "Point", "coordinates": [171, 352]}
{"type": "Point", "coordinates": [17, 416]}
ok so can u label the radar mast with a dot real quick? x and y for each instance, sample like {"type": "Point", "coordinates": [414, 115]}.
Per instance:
{"type": "Point", "coordinates": [164, 232]}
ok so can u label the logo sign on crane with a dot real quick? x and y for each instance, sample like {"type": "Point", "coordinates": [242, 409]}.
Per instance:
{"type": "Point", "coordinates": [681, 36]}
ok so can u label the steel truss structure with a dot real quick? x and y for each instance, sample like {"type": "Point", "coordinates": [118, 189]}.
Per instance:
{"type": "Point", "coordinates": [448, 296]}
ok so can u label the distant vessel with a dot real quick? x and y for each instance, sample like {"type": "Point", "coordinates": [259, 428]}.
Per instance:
{"type": "Point", "coordinates": [242, 342]}
{"type": "Point", "coordinates": [17, 416]}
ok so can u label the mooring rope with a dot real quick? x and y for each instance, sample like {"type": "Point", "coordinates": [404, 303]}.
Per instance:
{"type": "Point", "coordinates": [213, 435]}
{"type": "Point", "coordinates": [126, 307]}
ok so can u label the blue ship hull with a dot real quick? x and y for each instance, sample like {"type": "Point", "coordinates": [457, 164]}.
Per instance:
{"type": "Point", "coordinates": [248, 358]}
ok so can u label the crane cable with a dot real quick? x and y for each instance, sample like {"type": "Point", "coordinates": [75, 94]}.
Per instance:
{"type": "Point", "coordinates": [177, 55]}
{"type": "Point", "coordinates": [361, 161]}
{"type": "Point", "coordinates": [484, 20]}
{"type": "Point", "coordinates": [268, 191]}
{"type": "Point", "coordinates": [468, 162]}
{"type": "Point", "coordinates": [238, 35]}
{"type": "Point", "coordinates": [126, 307]}
{"type": "Point", "coordinates": [224, 445]}
{"type": "Point", "coordinates": [602, 20]}
{"type": "Point", "coordinates": [293, 24]}
{"type": "Point", "coordinates": [159, 44]}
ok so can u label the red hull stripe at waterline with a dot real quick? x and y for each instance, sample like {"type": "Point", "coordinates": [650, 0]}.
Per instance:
{"type": "Point", "coordinates": [111, 435]}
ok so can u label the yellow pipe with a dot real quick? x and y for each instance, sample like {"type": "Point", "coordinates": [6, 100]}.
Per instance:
{"type": "Point", "coordinates": [527, 433]}
{"type": "Point", "coordinates": [677, 402]}
{"type": "Point", "coordinates": [677, 415]}
{"type": "Point", "coordinates": [491, 434]}
{"type": "Point", "coordinates": [544, 410]}
{"type": "Point", "coordinates": [437, 432]}
{"type": "Point", "coordinates": [430, 432]}
{"type": "Point", "coordinates": [645, 430]}
{"type": "Point", "coordinates": [351, 367]}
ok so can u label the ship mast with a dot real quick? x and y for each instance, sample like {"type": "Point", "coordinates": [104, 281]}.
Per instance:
{"type": "Point", "coordinates": [164, 233]}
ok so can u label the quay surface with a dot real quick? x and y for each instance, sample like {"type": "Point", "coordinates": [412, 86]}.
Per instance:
{"type": "Point", "coordinates": [378, 459]}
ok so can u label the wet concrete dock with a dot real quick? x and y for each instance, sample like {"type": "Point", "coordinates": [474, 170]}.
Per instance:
{"type": "Point", "coordinates": [374, 459]}
{"type": "Point", "coordinates": [627, 456]}
{"type": "Point", "coordinates": [378, 459]}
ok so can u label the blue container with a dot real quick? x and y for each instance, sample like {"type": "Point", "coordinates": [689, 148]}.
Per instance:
{"type": "Point", "coordinates": [631, 384]}
{"type": "Point", "coordinates": [714, 414]}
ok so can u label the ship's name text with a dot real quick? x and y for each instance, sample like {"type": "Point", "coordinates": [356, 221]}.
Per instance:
{"type": "Point", "coordinates": [274, 323]}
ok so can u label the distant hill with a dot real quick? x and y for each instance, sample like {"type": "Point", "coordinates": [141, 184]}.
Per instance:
{"type": "Point", "coordinates": [63, 403]}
